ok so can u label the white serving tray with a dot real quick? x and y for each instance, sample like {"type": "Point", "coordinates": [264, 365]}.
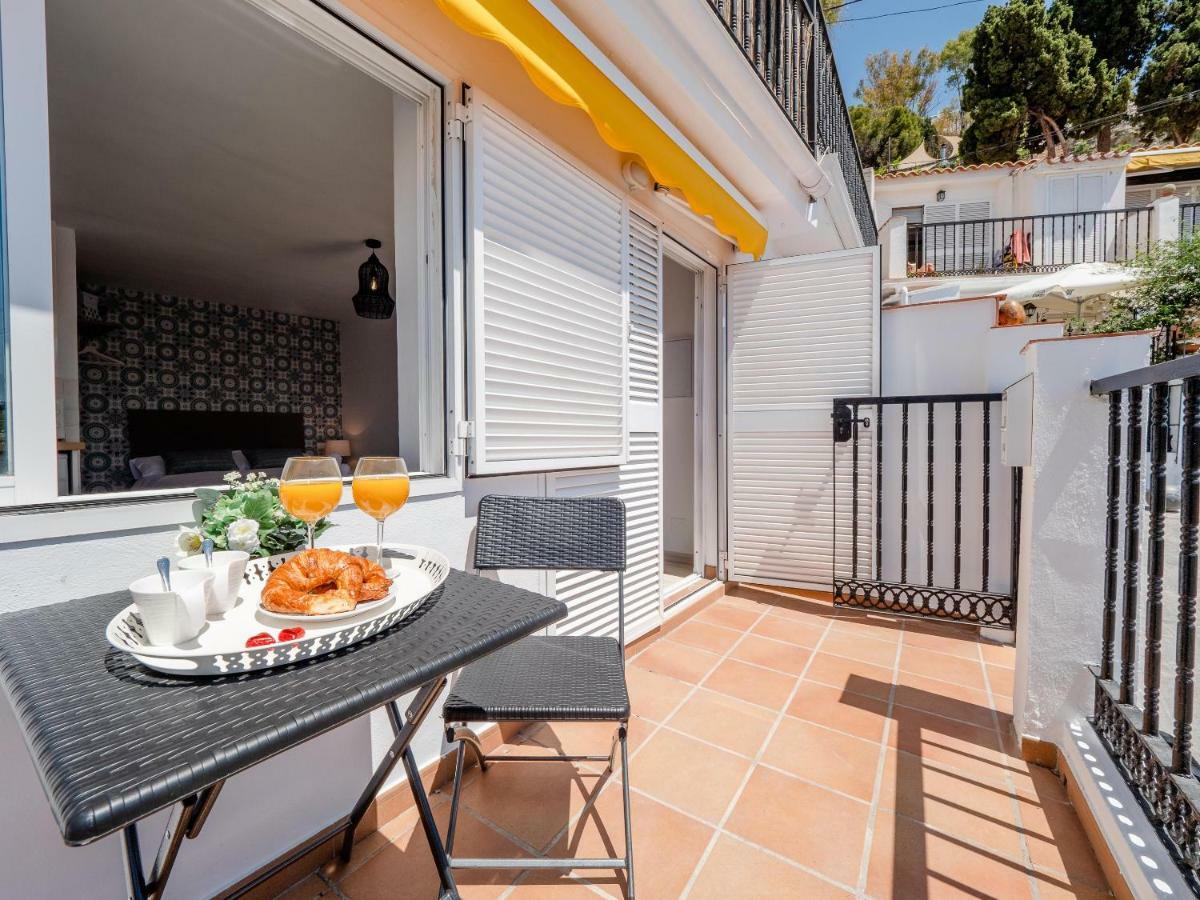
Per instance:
{"type": "Point", "coordinates": [220, 649]}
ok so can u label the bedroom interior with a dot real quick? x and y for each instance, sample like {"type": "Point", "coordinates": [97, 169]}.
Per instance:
{"type": "Point", "coordinates": [211, 197]}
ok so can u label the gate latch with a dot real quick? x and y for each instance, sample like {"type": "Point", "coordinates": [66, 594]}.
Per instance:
{"type": "Point", "coordinates": [844, 421]}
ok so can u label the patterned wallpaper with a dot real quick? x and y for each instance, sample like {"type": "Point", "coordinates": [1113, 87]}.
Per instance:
{"type": "Point", "coordinates": [179, 353]}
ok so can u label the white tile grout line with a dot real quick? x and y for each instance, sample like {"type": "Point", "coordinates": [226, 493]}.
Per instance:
{"type": "Point", "coordinates": [671, 640]}
{"type": "Point", "coordinates": [719, 830]}
{"type": "Point", "coordinates": [1014, 803]}
{"type": "Point", "coordinates": [658, 726]}
{"type": "Point", "coordinates": [864, 864]}
{"type": "Point", "coordinates": [737, 794]}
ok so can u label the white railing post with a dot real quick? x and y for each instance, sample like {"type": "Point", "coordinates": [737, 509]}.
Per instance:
{"type": "Point", "coordinates": [1164, 217]}
{"type": "Point", "coordinates": [893, 240]}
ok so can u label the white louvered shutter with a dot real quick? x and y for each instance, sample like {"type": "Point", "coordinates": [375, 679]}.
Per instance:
{"type": "Point", "coordinates": [1138, 198]}
{"type": "Point", "coordinates": [591, 596]}
{"type": "Point", "coordinates": [974, 238]}
{"type": "Point", "coordinates": [547, 319]}
{"type": "Point", "coordinates": [801, 331]}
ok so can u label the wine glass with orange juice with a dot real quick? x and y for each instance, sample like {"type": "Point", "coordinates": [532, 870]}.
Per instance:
{"type": "Point", "coordinates": [380, 489]}
{"type": "Point", "coordinates": [310, 488]}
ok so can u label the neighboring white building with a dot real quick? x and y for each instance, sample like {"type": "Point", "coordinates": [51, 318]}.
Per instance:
{"type": "Point", "coordinates": [983, 229]}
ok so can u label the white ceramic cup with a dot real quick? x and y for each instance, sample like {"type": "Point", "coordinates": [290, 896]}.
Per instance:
{"type": "Point", "coordinates": [177, 615]}
{"type": "Point", "coordinates": [228, 568]}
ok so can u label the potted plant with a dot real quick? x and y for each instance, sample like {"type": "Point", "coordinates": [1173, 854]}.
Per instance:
{"type": "Point", "coordinates": [246, 515]}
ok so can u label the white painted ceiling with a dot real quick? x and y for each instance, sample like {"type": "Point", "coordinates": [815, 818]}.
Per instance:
{"type": "Point", "coordinates": [202, 149]}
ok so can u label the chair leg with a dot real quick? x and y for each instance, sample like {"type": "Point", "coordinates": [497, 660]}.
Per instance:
{"type": "Point", "coordinates": [459, 757]}
{"type": "Point", "coordinates": [622, 736]}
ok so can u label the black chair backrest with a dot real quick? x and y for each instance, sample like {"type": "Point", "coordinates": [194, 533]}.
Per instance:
{"type": "Point", "coordinates": [584, 533]}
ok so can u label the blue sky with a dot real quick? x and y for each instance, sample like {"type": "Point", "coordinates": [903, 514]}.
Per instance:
{"type": "Point", "coordinates": [854, 41]}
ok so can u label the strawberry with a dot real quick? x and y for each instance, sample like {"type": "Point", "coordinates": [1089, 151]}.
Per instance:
{"type": "Point", "coordinates": [262, 639]}
{"type": "Point", "coordinates": [291, 634]}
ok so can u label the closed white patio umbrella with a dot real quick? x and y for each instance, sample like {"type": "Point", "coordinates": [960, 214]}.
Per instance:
{"type": "Point", "coordinates": [1074, 284]}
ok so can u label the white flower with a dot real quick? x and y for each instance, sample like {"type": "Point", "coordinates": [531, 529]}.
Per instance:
{"type": "Point", "coordinates": [187, 542]}
{"type": "Point", "coordinates": [232, 477]}
{"type": "Point", "coordinates": [242, 535]}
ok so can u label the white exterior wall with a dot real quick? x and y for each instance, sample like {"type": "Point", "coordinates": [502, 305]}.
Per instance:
{"type": "Point", "coordinates": [1011, 191]}
{"type": "Point", "coordinates": [61, 554]}
{"type": "Point", "coordinates": [993, 185]}
{"type": "Point", "coordinates": [953, 347]}
{"type": "Point", "coordinates": [1063, 520]}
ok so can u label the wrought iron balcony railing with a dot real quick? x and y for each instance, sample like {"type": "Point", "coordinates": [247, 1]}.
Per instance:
{"type": "Point", "coordinates": [788, 45]}
{"type": "Point", "coordinates": [1027, 243]}
{"type": "Point", "coordinates": [1145, 700]}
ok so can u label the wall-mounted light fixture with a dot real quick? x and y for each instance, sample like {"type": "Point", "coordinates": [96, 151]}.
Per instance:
{"type": "Point", "coordinates": [373, 300]}
{"type": "Point", "coordinates": [941, 195]}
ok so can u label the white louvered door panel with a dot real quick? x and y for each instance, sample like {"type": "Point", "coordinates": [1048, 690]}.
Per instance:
{"type": "Point", "coordinates": [645, 277]}
{"type": "Point", "coordinates": [547, 322]}
{"type": "Point", "coordinates": [801, 331]}
{"type": "Point", "coordinates": [591, 596]}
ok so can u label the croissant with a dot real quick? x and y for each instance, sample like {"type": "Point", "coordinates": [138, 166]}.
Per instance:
{"type": "Point", "coordinates": [322, 581]}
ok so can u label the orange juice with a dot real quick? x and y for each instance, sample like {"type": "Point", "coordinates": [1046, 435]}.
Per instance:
{"type": "Point", "coordinates": [380, 495]}
{"type": "Point", "coordinates": [311, 498]}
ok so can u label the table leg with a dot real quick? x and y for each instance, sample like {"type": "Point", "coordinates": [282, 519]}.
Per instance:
{"type": "Point", "coordinates": [405, 726]}
{"type": "Point", "coordinates": [186, 819]}
{"type": "Point", "coordinates": [188, 816]}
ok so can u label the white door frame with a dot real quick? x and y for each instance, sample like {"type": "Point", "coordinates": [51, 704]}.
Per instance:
{"type": "Point", "coordinates": [705, 382]}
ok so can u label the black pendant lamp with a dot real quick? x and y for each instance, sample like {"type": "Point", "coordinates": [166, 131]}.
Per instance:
{"type": "Point", "coordinates": [372, 300]}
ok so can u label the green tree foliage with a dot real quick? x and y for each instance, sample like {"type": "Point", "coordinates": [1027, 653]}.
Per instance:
{"type": "Point", "coordinates": [1032, 78]}
{"type": "Point", "coordinates": [1172, 73]}
{"type": "Point", "coordinates": [900, 79]}
{"type": "Point", "coordinates": [832, 10]}
{"type": "Point", "coordinates": [887, 136]}
{"type": "Point", "coordinates": [1168, 294]}
{"type": "Point", "coordinates": [1123, 32]}
{"type": "Point", "coordinates": [955, 60]}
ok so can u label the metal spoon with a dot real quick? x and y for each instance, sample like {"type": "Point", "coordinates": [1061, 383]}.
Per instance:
{"type": "Point", "coordinates": [206, 547]}
{"type": "Point", "coordinates": [164, 572]}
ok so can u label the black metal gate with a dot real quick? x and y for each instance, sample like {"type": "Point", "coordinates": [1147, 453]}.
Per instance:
{"type": "Point", "coordinates": [930, 508]}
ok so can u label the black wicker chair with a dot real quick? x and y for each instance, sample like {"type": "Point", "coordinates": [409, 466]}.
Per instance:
{"type": "Point", "coordinates": [546, 678]}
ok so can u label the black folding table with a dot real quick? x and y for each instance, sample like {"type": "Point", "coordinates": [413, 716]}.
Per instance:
{"type": "Point", "coordinates": [114, 741]}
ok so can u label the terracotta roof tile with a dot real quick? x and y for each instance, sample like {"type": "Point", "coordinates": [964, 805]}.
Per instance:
{"type": "Point", "coordinates": [1010, 164]}
{"type": "Point", "coordinates": [948, 170]}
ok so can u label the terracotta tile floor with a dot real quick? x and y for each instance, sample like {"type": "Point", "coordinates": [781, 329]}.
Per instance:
{"type": "Point", "coordinates": [780, 748]}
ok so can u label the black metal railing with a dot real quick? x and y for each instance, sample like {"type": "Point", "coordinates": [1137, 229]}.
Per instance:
{"type": "Point", "coordinates": [910, 551]}
{"type": "Point", "coordinates": [1041, 243]}
{"type": "Point", "coordinates": [1189, 219]}
{"type": "Point", "coordinates": [1149, 739]}
{"type": "Point", "coordinates": [787, 43]}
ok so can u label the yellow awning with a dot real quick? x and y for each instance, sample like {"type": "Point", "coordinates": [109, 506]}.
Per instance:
{"type": "Point", "coordinates": [565, 74]}
{"type": "Point", "coordinates": [1167, 159]}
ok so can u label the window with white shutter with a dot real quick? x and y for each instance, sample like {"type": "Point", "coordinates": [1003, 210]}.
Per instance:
{"type": "Point", "coordinates": [547, 318]}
